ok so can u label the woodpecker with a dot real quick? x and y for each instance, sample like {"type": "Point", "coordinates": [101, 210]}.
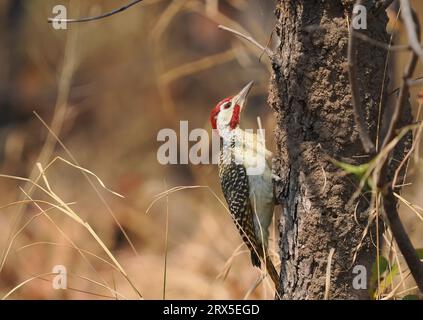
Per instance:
{"type": "Point", "coordinates": [249, 196]}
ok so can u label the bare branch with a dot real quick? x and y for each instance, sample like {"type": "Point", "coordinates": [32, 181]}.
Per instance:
{"type": "Point", "coordinates": [388, 198]}
{"type": "Point", "coordinates": [248, 38]}
{"type": "Point", "coordinates": [380, 44]}
{"type": "Point", "coordinates": [402, 239]}
{"type": "Point", "coordinates": [355, 91]}
{"type": "Point", "coordinates": [410, 24]}
{"type": "Point", "coordinates": [102, 16]}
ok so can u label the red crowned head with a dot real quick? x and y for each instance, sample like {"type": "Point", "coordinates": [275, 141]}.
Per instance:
{"type": "Point", "coordinates": [226, 114]}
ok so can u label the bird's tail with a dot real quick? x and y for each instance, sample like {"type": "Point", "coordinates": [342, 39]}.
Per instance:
{"type": "Point", "coordinates": [255, 260]}
{"type": "Point", "coordinates": [271, 270]}
{"type": "Point", "coordinates": [270, 267]}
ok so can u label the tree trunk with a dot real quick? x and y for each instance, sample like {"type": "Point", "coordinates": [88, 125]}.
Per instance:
{"type": "Point", "coordinates": [311, 96]}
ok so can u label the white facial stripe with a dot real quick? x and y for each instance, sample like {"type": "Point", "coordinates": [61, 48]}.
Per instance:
{"type": "Point", "coordinates": [224, 117]}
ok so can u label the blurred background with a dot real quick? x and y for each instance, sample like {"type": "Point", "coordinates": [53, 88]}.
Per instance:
{"type": "Point", "coordinates": [106, 89]}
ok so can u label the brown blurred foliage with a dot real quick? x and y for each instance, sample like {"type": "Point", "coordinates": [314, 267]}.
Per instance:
{"type": "Point", "coordinates": [106, 88]}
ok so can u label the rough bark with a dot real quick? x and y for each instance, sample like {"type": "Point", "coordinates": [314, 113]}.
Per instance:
{"type": "Point", "coordinates": [311, 96]}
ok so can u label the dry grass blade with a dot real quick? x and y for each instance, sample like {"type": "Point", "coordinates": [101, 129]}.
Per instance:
{"type": "Point", "coordinates": [392, 247]}
{"type": "Point", "coordinates": [41, 277]}
{"type": "Point", "coordinates": [179, 188]}
{"type": "Point", "coordinates": [12, 236]}
{"type": "Point", "coordinates": [26, 224]}
{"type": "Point", "coordinates": [67, 238]}
{"type": "Point", "coordinates": [30, 202]}
{"type": "Point", "coordinates": [20, 285]}
{"type": "Point", "coordinates": [67, 210]}
{"type": "Point", "coordinates": [70, 247]}
{"type": "Point", "coordinates": [254, 286]}
{"type": "Point", "coordinates": [328, 273]}
{"type": "Point", "coordinates": [412, 207]}
{"type": "Point", "coordinates": [407, 290]}
{"type": "Point", "coordinates": [393, 292]}
{"type": "Point", "coordinates": [94, 294]}
{"type": "Point", "coordinates": [99, 284]}
{"type": "Point", "coordinates": [98, 193]}
{"type": "Point", "coordinates": [176, 189]}
{"type": "Point", "coordinates": [58, 158]}
{"type": "Point", "coordinates": [228, 264]}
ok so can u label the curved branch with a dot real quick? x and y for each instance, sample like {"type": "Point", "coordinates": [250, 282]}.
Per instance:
{"type": "Point", "coordinates": [248, 38]}
{"type": "Point", "coordinates": [402, 239]}
{"type": "Point", "coordinates": [102, 16]}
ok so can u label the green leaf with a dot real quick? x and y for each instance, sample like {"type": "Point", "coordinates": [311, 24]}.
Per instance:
{"type": "Point", "coordinates": [388, 279]}
{"type": "Point", "coordinates": [362, 172]}
{"type": "Point", "coordinates": [383, 266]}
{"type": "Point", "coordinates": [358, 171]}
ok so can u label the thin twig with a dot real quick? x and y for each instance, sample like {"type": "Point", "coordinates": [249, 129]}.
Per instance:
{"type": "Point", "coordinates": [248, 38]}
{"type": "Point", "coordinates": [102, 16]}
{"type": "Point", "coordinates": [355, 91]}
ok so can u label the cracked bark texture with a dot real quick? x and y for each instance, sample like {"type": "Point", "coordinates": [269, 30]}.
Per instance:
{"type": "Point", "coordinates": [310, 94]}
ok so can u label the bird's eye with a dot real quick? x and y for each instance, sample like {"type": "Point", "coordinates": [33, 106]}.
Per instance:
{"type": "Point", "coordinates": [227, 105]}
